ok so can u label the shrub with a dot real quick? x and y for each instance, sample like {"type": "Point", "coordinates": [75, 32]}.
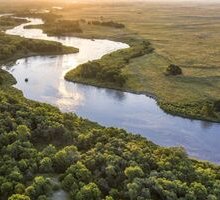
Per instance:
{"type": "Point", "coordinates": [173, 70]}
{"type": "Point", "coordinates": [217, 106]}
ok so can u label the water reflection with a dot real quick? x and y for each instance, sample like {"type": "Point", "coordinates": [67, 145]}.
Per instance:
{"type": "Point", "coordinates": [135, 113]}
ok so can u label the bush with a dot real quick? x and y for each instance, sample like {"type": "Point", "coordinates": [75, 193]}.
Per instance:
{"type": "Point", "coordinates": [173, 70]}
{"type": "Point", "coordinates": [217, 106]}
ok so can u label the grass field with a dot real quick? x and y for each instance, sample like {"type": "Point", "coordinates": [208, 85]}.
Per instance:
{"type": "Point", "coordinates": [186, 35]}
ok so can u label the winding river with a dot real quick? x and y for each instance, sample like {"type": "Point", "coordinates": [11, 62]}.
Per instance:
{"type": "Point", "coordinates": [135, 113]}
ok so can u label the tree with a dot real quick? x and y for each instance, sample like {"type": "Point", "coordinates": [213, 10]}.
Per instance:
{"type": "Point", "coordinates": [19, 197]}
{"type": "Point", "coordinates": [16, 176]}
{"type": "Point", "coordinates": [65, 157]}
{"type": "Point", "coordinates": [19, 188]}
{"type": "Point", "coordinates": [79, 172]}
{"type": "Point", "coordinates": [40, 186]}
{"type": "Point", "coordinates": [217, 106]}
{"type": "Point", "coordinates": [23, 132]}
{"type": "Point", "coordinates": [173, 70]}
{"type": "Point", "coordinates": [199, 190]}
{"type": "Point", "coordinates": [46, 165]}
{"type": "Point", "coordinates": [6, 188]}
{"type": "Point", "coordinates": [89, 192]}
{"type": "Point", "coordinates": [49, 151]}
{"type": "Point", "coordinates": [133, 172]}
{"type": "Point", "coordinates": [208, 110]}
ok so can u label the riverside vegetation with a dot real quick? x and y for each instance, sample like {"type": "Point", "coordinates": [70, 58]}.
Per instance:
{"type": "Point", "coordinates": [14, 47]}
{"type": "Point", "coordinates": [195, 89]}
{"type": "Point", "coordinates": [185, 41]}
{"type": "Point", "coordinates": [92, 162]}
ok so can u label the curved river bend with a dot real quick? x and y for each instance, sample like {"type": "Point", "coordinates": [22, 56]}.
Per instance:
{"type": "Point", "coordinates": [135, 113]}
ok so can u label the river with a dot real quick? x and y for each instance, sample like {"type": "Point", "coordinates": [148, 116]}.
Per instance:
{"type": "Point", "coordinates": [135, 113]}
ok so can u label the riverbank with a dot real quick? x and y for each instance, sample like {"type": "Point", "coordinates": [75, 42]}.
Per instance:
{"type": "Point", "coordinates": [138, 74]}
{"type": "Point", "coordinates": [190, 95]}
{"type": "Point", "coordinates": [15, 47]}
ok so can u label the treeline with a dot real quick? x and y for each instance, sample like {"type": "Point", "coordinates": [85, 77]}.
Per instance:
{"type": "Point", "coordinates": [108, 69]}
{"type": "Point", "coordinates": [53, 25]}
{"type": "Point", "coordinates": [206, 110]}
{"type": "Point", "coordinates": [92, 162]}
{"type": "Point", "coordinates": [12, 47]}
{"type": "Point", "coordinates": [46, 17]}
{"type": "Point", "coordinates": [59, 27]}
{"type": "Point", "coordinates": [62, 27]}
{"type": "Point", "coordinates": [107, 23]}
{"type": "Point", "coordinates": [7, 21]}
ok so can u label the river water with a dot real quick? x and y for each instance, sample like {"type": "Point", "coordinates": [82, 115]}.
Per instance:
{"type": "Point", "coordinates": [135, 113]}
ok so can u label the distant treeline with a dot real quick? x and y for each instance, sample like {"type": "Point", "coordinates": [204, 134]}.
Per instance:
{"type": "Point", "coordinates": [107, 23]}
{"type": "Point", "coordinates": [53, 25]}
{"type": "Point", "coordinates": [7, 21]}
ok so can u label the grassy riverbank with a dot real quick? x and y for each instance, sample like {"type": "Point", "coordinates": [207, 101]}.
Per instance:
{"type": "Point", "coordinates": [188, 41]}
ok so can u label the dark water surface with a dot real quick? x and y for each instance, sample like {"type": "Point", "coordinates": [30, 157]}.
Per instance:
{"type": "Point", "coordinates": [135, 113]}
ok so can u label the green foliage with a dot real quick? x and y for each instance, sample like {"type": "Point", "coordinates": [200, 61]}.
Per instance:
{"type": "Point", "coordinates": [12, 47]}
{"type": "Point", "coordinates": [107, 23]}
{"type": "Point", "coordinates": [217, 106]}
{"type": "Point", "coordinates": [198, 110]}
{"type": "Point", "coordinates": [39, 187]}
{"type": "Point", "coordinates": [19, 197]}
{"type": "Point", "coordinates": [93, 162]}
{"type": "Point", "coordinates": [8, 21]}
{"type": "Point", "coordinates": [133, 172]}
{"type": "Point", "coordinates": [46, 165]}
{"type": "Point", "coordinates": [53, 25]}
{"type": "Point", "coordinates": [109, 68]}
{"type": "Point", "coordinates": [65, 157]}
{"type": "Point", "coordinates": [89, 192]}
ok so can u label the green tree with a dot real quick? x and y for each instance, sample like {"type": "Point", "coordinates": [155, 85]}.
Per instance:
{"type": "Point", "coordinates": [19, 197]}
{"type": "Point", "coordinates": [40, 186]}
{"type": "Point", "coordinates": [46, 165]}
{"type": "Point", "coordinates": [133, 172]}
{"type": "Point", "coordinates": [89, 192]}
{"type": "Point", "coordinates": [19, 188]}
{"type": "Point", "coordinates": [199, 190]}
{"type": "Point", "coordinates": [65, 157]}
{"type": "Point", "coordinates": [23, 132]}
